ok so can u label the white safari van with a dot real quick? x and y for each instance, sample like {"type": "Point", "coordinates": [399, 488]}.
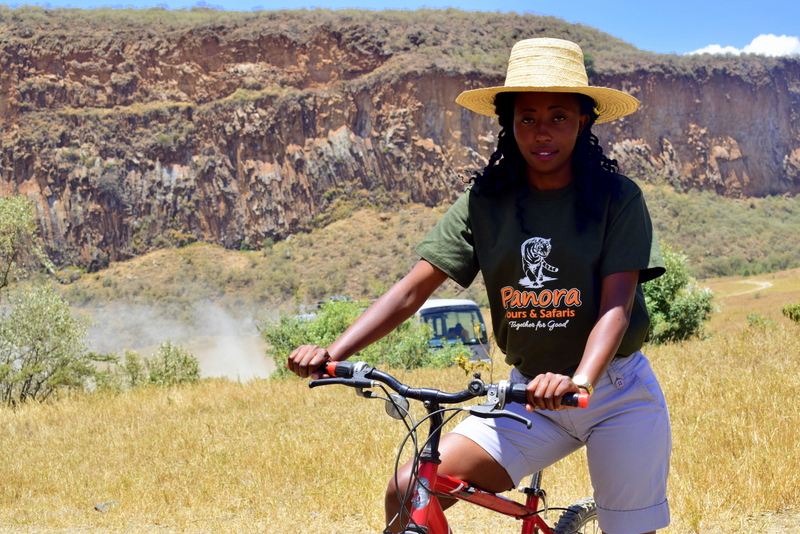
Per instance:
{"type": "Point", "coordinates": [455, 320]}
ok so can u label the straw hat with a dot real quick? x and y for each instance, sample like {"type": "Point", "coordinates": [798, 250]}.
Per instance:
{"type": "Point", "coordinates": [552, 66]}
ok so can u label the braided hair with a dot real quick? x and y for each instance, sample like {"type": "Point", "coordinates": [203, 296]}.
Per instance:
{"type": "Point", "coordinates": [594, 173]}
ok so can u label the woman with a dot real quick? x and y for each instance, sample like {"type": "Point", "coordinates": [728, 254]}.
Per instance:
{"type": "Point", "coordinates": [563, 243]}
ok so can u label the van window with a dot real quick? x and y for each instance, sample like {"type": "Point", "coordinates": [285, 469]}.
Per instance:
{"type": "Point", "coordinates": [453, 325]}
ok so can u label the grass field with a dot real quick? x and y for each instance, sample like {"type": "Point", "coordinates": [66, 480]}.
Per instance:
{"type": "Point", "coordinates": [276, 457]}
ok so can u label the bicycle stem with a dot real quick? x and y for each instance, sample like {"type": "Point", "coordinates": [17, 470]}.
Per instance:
{"type": "Point", "coordinates": [430, 452]}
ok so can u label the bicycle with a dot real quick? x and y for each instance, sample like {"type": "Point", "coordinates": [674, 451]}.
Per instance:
{"type": "Point", "coordinates": [426, 516]}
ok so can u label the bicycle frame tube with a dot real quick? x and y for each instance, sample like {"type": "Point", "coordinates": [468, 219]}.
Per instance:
{"type": "Point", "coordinates": [458, 489]}
{"type": "Point", "coordinates": [426, 510]}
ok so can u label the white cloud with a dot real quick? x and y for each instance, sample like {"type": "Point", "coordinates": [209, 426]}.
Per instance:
{"type": "Point", "coordinates": [765, 45]}
{"type": "Point", "coordinates": [772, 45]}
{"type": "Point", "coordinates": [717, 49]}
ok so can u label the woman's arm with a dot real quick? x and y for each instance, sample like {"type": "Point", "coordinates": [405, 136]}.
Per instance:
{"type": "Point", "coordinates": [387, 313]}
{"type": "Point", "coordinates": [616, 301]}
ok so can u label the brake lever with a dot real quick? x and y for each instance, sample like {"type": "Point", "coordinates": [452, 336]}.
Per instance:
{"type": "Point", "coordinates": [488, 411]}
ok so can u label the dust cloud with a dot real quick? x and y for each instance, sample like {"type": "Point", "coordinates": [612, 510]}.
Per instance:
{"type": "Point", "coordinates": [224, 345]}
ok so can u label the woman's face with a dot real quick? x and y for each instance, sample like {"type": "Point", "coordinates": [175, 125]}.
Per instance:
{"type": "Point", "coordinates": [546, 126]}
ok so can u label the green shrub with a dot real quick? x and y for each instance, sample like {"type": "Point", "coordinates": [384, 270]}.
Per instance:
{"type": "Point", "coordinates": [792, 311]}
{"type": "Point", "coordinates": [170, 365]}
{"type": "Point", "coordinates": [134, 369]}
{"type": "Point", "coordinates": [678, 308]}
{"type": "Point", "coordinates": [759, 321]}
{"type": "Point", "coordinates": [406, 347]}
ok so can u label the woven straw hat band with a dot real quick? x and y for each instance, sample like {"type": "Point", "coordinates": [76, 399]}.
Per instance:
{"type": "Point", "coordinates": [546, 63]}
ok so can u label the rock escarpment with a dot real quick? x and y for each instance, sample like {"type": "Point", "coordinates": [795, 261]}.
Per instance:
{"type": "Point", "coordinates": [238, 131]}
{"type": "Point", "coordinates": [733, 131]}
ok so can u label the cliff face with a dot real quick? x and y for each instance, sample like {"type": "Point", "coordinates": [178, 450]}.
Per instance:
{"type": "Point", "coordinates": [237, 133]}
{"type": "Point", "coordinates": [728, 131]}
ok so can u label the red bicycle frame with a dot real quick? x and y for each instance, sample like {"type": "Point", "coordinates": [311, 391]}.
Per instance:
{"type": "Point", "coordinates": [426, 511]}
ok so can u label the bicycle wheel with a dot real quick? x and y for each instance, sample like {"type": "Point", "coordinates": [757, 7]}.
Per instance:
{"type": "Point", "coordinates": [580, 518]}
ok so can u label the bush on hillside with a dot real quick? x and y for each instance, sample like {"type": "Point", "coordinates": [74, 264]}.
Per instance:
{"type": "Point", "coordinates": [678, 308]}
{"type": "Point", "coordinates": [792, 311]}
{"type": "Point", "coordinates": [406, 347]}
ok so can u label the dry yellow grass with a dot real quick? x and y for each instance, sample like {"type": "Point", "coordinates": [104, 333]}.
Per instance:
{"type": "Point", "coordinates": [274, 456]}
{"type": "Point", "coordinates": [735, 416]}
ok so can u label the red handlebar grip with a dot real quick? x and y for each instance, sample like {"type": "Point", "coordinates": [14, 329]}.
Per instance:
{"type": "Point", "coordinates": [330, 368]}
{"type": "Point", "coordinates": [518, 394]}
{"type": "Point", "coordinates": [339, 369]}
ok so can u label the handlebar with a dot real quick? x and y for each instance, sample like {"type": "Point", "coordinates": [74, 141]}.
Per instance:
{"type": "Point", "coordinates": [361, 375]}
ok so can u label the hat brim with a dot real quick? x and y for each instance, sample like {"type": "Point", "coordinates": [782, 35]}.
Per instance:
{"type": "Point", "coordinates": [610, 104]}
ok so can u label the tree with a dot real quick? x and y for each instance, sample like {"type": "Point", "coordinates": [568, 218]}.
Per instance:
{"type": "Point", "coordinates": [678, 308]}
{"type": "Point", "coordinates": [20, 249]}
{"type": "Point", "coordinates": [42, 346]}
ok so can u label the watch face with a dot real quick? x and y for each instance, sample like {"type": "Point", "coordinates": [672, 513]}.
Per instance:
{"type": "Point", "coordinates": [583, 382]}
{"type": "Point", "coordinates": [580, 379]}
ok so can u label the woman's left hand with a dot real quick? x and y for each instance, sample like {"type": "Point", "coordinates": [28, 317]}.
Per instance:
{"type": "Point", "coordinates": [545, 391]}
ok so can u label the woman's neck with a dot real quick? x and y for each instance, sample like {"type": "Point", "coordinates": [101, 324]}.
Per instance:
{"type": "Point", "coordinates": [550, 182]}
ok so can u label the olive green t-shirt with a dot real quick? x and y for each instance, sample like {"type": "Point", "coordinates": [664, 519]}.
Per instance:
{"type": "Point", "coordinates": [544, 284]}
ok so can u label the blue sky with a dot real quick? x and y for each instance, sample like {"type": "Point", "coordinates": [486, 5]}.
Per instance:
{"type": "Point", "coordinates": [676, 26]}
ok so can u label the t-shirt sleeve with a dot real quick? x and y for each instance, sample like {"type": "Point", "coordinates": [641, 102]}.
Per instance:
{"type": "Point", "coordinates": [450, 245]}
{"type": "Point", "coordinates": [631, 242]}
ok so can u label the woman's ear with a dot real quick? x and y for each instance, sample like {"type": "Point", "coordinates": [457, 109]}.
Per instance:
{"type": "Point", "coordinates": [584, 120]}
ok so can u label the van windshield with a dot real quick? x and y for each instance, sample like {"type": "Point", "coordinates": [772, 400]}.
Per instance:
{"type": "Point", "coordinates": [452, 325]}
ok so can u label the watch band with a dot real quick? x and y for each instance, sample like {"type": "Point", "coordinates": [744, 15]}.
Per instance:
{"type": "Point", "coordinates": [582, 381]}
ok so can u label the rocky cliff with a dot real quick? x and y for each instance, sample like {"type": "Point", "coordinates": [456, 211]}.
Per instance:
{"type": "Point", "coordinates": [131, 129]}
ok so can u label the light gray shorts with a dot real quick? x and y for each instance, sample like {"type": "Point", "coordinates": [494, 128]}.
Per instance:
{"type": "Point", "coordinates": [627, 436]}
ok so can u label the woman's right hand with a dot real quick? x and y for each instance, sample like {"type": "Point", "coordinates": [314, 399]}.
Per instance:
{"type": "Point", "coordinates": [306, 359]}
{"type": "Point", "coordinates": [545, 392]}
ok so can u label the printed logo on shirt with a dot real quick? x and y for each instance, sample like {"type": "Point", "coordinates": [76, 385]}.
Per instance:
{"type": "Point", "coordinates": [534, 251]}
{"type": "Point", "coordinates": [526, 309]}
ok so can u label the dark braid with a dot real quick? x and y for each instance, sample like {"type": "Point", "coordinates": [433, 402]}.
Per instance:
{"type": "Point", "coordinates": [595, 174]}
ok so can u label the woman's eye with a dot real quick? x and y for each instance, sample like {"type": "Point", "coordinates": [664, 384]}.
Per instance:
{"type": "Point", "coordinates": [559, 118]}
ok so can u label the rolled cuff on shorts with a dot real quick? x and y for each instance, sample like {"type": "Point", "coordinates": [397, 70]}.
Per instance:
{"type": "Point", "coordinates": [634, 521]}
